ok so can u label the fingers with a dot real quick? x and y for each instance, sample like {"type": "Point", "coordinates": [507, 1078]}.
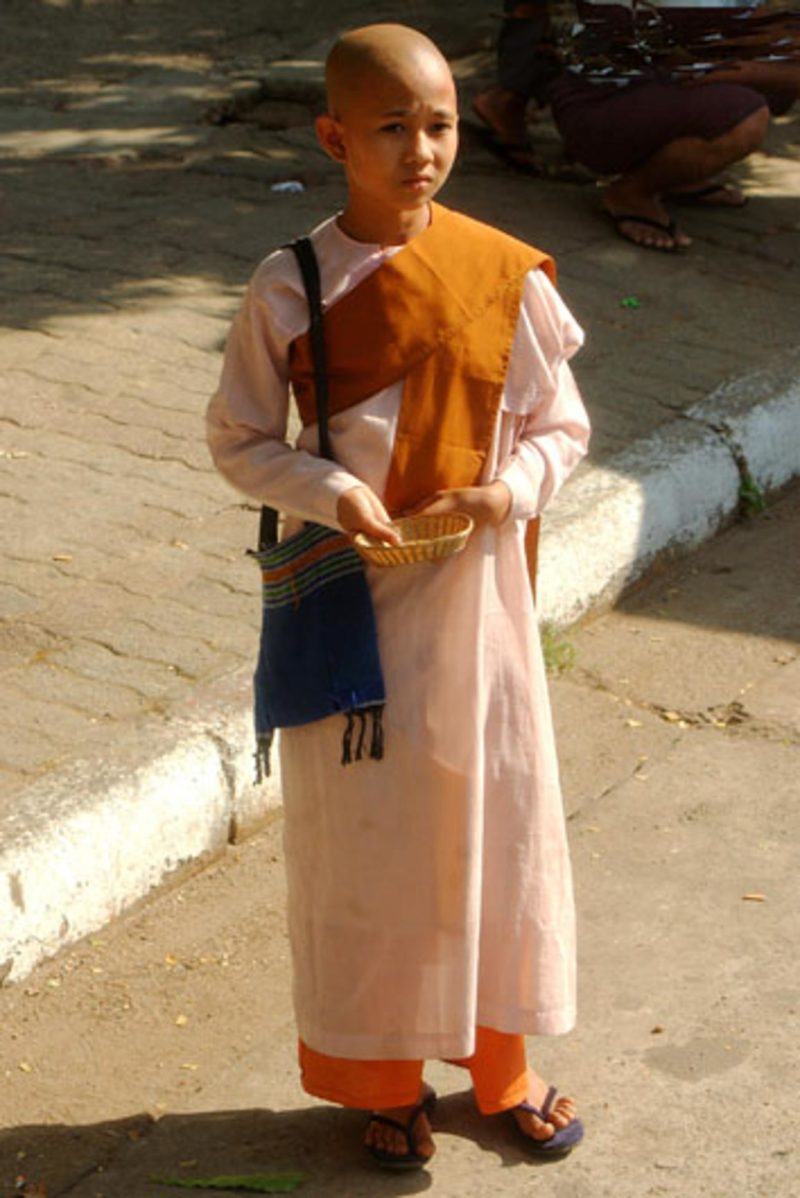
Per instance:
{"type": "Point", "coordinates": [487, 504]}
{"type": "Point", "coordinates": [434, 505]}
{"type": "Point", "coordinates": [377, 521]}
{"type": "Point", "coordinates": [360, 510]}
{"type": "Point", "coordinates": [382, 530]}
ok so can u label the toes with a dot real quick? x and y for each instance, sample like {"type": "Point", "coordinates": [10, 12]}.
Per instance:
{"type": "Point", "coordinates": [641, 235]}
{"type": "Point", "coordinates": [563, 1112]}
{"type": "Point", "coordinates": [533, 1126]}
{"type": "Point", "coordinates": [395, 1142]}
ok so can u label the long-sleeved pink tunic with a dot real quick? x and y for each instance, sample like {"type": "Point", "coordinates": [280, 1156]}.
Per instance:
{"type": "Point", "coordinates": [431, 891]}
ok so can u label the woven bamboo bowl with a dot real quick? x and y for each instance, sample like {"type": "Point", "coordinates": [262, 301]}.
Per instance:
{"type": "Point", "coordinates": [425, 539]}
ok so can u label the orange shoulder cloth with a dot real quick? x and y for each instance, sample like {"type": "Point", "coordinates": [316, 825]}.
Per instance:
{"type": "Point", "coordinates": [439, 315]}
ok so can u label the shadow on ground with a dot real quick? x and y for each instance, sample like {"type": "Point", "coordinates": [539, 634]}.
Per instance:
{"type": "Point", "coordinates": [122, 1157]}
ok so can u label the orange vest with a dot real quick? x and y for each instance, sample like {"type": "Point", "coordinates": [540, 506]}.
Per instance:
{"type": "Point", "coordinates": [440, 315]}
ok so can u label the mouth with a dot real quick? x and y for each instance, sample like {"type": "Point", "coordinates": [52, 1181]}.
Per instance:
{"type": "Point", "coordinates": [417, 182]}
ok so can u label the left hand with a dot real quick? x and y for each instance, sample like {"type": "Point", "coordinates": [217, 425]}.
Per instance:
{"type": "Point", "coordinates": [488, 504]}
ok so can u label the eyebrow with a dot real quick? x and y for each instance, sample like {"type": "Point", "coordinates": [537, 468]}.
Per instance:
{"type": "Point", "coordinates": [446, 112]}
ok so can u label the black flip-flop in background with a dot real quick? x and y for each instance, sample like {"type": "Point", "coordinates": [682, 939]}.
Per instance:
{"type": "Point", "coordinates": [664, 226]}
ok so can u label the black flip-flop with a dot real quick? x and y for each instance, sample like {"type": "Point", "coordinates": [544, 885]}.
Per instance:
{"type": "Point", "coordinates": [564, 1139]}
{"type": "Point", "coordinates": [405, 1161]}
{"type": "Point", "coordinates": [664, 226]}
{"type": "Point", "coordinates": [700, 196]}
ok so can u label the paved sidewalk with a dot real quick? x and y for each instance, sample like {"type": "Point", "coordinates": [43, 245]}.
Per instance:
{"type": "Point", "coordinates": [135, 207]}
{"type": "Point", "coordinates": [165, 1045]}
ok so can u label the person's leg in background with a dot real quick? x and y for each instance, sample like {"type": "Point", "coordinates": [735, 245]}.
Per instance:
{"type": "Point", "coordinates": [526, 65]}
{"type": "Point", "coordinates": [684, 164]}
{"type": "Point", "coordinates": [653, 139]}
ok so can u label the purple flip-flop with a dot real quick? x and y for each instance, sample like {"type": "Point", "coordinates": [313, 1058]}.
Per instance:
{"type": "Point", "coordinates": [565, 1138]}
{"type": "Point", "coordinates": [411, 1159]}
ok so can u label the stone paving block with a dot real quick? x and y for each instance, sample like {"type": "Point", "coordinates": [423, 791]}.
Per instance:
{"type": "Point", "coordinates": [68, 689]}
{"type": "Point", "coordinates": [42, 734]}
{"type": "Point", "coordinates": [237, 638]}
{"type": "Point", "coordinates": [134, 651]}
{"type": "Point", "coordinates": [148, 668]}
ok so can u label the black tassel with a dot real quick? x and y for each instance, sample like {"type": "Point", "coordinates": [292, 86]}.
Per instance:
{"type": "Point", "coordinates": [347, 740]}
{"type": "Point", "coordinates": [262, 755]}
{"type": "Point", "coordinates": [362, 734]}
{"type": "Point", "coordinates": [376, 748]}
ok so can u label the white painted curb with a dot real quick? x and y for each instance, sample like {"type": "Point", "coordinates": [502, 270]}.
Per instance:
{"type": "Point", "coordinates": [669, 491]}
{"type": "Point", "coordinates": [81, 847]}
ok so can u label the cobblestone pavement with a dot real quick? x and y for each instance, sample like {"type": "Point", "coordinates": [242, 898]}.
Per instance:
{"type": "Point", "coordinates": [134, 209]}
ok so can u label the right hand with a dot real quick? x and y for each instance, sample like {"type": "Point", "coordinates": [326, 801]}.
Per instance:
{"type": "Point", "coordinates": [360, 510]}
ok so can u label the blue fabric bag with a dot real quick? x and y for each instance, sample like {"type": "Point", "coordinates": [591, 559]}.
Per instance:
{"type": "Point", "coordinates": [318, 653]}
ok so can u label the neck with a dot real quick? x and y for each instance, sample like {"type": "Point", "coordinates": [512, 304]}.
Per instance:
{"type": "Point", "coordinates": [382, 227]}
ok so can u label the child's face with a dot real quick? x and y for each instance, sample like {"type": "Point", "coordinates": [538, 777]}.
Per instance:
{"type": "Point", "coordinates": [396, 137]}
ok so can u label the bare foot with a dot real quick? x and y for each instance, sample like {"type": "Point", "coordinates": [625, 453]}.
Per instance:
{"type": "Point", "coordinates": [561, 1115]}
{"type": "Point", "coordinates": [642, 219]}
{"type": "Point", "coordinates": [416, 1139]}
{"type": "Point", "coordinates": [504, 112]}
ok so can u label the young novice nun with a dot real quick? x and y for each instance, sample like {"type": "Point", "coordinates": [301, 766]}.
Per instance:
{"type": "Point", "coordinates": [430, 901]}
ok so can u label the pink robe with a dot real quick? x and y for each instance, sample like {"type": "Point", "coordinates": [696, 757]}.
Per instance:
{"type": "Point", "coordinates": [431, 891]}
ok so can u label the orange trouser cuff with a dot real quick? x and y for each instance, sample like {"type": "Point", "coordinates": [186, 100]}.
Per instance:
{"type": "Point", "coordinates": [363, 1085]}
{"type": "Point", "coordinates": [498, 1068]}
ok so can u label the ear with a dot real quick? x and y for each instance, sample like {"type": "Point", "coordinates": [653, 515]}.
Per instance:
{"type": "Point", "coordinates": [331, 136]}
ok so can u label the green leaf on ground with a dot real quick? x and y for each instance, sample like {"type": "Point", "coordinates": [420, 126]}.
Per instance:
{"type": "Point", "coordinates": [559, 654]}
{"type": "Point", "coordinates": [254, 1183]}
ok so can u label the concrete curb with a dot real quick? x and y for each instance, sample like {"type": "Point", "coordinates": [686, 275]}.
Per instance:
{"type": "Point", "coordinates": [85, 844]}
{"type": "Point", "coordinates": [82, 846]}
{"type": "Point", "coordinates": [670, 491]}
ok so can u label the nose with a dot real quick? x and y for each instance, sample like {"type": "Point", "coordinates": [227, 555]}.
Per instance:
{"type": "Point", "coordinates": [419, 149]}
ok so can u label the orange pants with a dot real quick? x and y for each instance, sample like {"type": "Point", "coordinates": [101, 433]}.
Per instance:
{"type": "Point", "coordinates": [498, 1067]}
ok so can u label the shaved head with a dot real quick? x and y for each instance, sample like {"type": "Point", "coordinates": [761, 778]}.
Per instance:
{"type": "Point", "coordinates": [362, 56]}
